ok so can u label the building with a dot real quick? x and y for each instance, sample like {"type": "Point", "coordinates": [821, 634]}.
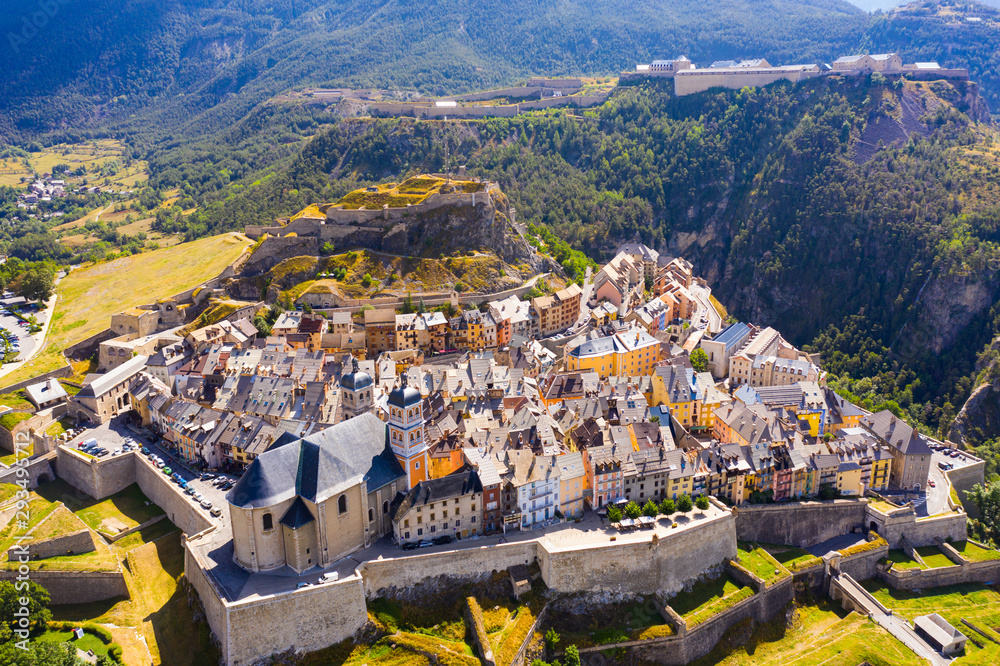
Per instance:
{"type": "Point", "coordinates": [763, 342]}
{"type": "Point", "coordinates": [357, 392]}
{"type": "Point", "coordinates": [620, 281]}
{"type": "Point", "coordinates": [104, 397]}
{"type": "Point", "coordinates": [882, 62]}
{"type": "Point", "coordinates": [46, 394]}
{"type": "Point", "coordinates": [572, 483]}
{"type": "Point", "coordinates": [721, 348]}
{"type": "Point", "coordinates": [631, 352]}
{"type": "Point", "coordinates": [939, 633]}
{"type": "Point", "coordinates": [448, 506]}
{"type": "Point", "coordinates": [911, 455]}
{"type": "Point", "coordinates": [308, 502]}
{"type": "Point", "coordinates": [406, 432]}
{"type": "Point", "coordinates": [559, 311]}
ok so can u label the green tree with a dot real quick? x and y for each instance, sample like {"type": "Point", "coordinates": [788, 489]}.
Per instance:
{"type": "Point", "coordinates": [572, 656]}
{"type": "Point", "coordinates": [699, 360]}
{"type": "Point", "coordinates": [614, 513]}
{"type": "Point", "coordinates": [551, 639]}
{"type": "Point", "coordinates": [650, 509]}
{"type": "Point", "coordinates": [667, 507]}
{"type": "Point", "coordinates": [701, 501]}
{"type": "Point", "coordinates": [684, 503]}
{"type": "Point", "coordinates": [632, 510]}
{"type": "Point", "coordinates": [38, 283]}
{"type": "Point", "coordinates": [38, 603]}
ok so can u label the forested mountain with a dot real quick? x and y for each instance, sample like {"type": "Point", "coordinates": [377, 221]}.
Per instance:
{"type": "Point", "coordinates": [197, 65]}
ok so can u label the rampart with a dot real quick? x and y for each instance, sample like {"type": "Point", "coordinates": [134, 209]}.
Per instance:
{"type": "Point", "coordinates": [39, 469]}
{"type": "Point", "coordinates": [665, 564]}
{"type": "Point", "coordinates": [74, 543]}
{"type": "Point", "coordinates": [963, 571]}
{"type": "Point", "coordinates": [897, 524]}
{"type": "Point", "coordinates": [801, 524]}
{"type": "Point", "coordinates": [691, 81]}
{"type": "Point", "coordinates": [962, 479]}
{"type": "Point", "coordinates": [77, 587]}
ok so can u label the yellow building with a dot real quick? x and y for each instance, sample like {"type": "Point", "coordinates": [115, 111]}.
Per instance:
{"type": "Point", "coordinates": [572, 483]}
{"type": "Point", "coordinates": [672, 386]}
{"type": "Point", "coordinates": [632, 353]}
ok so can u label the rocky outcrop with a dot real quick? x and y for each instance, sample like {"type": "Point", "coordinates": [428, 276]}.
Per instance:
{"type": "Point", "coordinates": [979, 418]}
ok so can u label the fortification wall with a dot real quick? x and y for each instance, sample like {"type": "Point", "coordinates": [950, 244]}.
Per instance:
{"type": "Point", "coordinates": [328, 614]}
{"type": "Point", "coordinates": [195, 571]}
{"type": "Point", "coordinates": [640, 567]}
{"type": "Point", "coordinates": [406, 571]}
{"type": "Point", "coordinates": [99, 478]}
{"type": "Point", "coordinates": [577, 101]}
{"type": "Point", "coordinates": [274, 250]}
{"type": "Point", "coordinates": [73, 543]}
{"type": "Point", "coordinates": [703, 79]}
{"type": "Point", "coordinates": [963, 479]}
{"type": "Point", "coordinates": [799, 524]}
{"type": "Point", "coordinates": [893, 527]}
{"type": "Point", "coordinates": [38, 421]}
{"type": "Point", "coordinates": [76, 587]}
{"type": "Point", "coordinates": [38, 469]}
{"type": "Point", "coordinates": [863, 566]}
{"type": "Point", "coordinates": [964, 571]}
{"type": "Point", "coordinates": [65, 371]}
{"type": "Point", "coordinates": [520, 92]}
{"type": "Point", "coordinates": [180, 509]}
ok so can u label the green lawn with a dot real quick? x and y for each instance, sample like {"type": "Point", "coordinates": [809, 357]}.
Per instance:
{"type": "Point", "coordinates": [708, 598]}
{"type": "Point", "coordinates": [11, 458]}
{"type": "Point", "coordinates": [975, 553]}
{"type": "Point", "coordinates": [38, 509]}
{"type": "Point", "coordinates": [933, 557]}
{"type": "Point", "coordinates": [59, 427]}
{"type": "Point", "coordinates": [11, 419]}
{"type": "Point", "coordinates": [792, 558]}
{"type": "Point", "coordinates": [123, 510]}
{"type": "Point", "coordinates": [821, 633]}
{"type": "Point", "coordinates": [16, 400]}
{"type": "Point", "coordinates": [978, 604]}
{"type": "Point", "coordinates": [88, 642]}
{"type": "Point", "coordinates": [900, 560]}
{"type": "Point", "coordinates": [760, 563]}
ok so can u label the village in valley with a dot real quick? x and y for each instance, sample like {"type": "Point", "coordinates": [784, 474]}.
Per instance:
{"type": "Point", "coordinates": [617, 434]}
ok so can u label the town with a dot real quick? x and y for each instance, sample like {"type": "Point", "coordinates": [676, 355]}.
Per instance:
{"type": "Point", "coordinates": [626, 410]}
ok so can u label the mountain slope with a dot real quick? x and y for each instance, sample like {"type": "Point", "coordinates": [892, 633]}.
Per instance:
{"type": "Point", "coordinates": [201, 64]}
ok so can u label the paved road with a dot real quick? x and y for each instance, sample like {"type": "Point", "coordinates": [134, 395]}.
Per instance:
{"type": "Point", "coordinates": [894, 624]}
{"type": "Point", "coordinates": [702, 295]}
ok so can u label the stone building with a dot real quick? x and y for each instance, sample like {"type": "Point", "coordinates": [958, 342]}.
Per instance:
{"type": "Point", "coordinates": [357, 392]}
{"type": "Point", "coordinates": [308, 502]}
{"type": "Point", "coordinates": [104, 397]}
{"type": "Point", "coordinates": [911, 455]}
{"type": "Point", "coordinates": [448, 506]}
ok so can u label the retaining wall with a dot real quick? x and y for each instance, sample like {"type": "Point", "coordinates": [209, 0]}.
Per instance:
{"type": "Point", "coordinates": [640, 567]}
{"type": "Point", "coordinates": [900, 523]}
{"type": "Point", "coordinates": [99, 478]}
{"type": "Point", "coordinates": [74, 543]}
{"type": "Point", "coordinates": [168, 496]}
{"type": "Point", "coordinates": [39, 469]}
{"type": "Point", "coordinates": [963, 479]}
{"type": "Point", "coordinates": [406, 571]}
{"type": "Point", "coordinates": [862, 566]}
{"type": "Point", "coordinates": [799, 524]}
{"type": "Point", "coordinates": [77, 587]}
{"type": "Point", "coordinates": [65, 371]}
{"type": "Point", "coordinates": [964, 571]}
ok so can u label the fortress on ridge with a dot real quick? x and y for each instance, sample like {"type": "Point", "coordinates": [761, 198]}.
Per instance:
{"type": "Point", "coordinates": [429, 213]}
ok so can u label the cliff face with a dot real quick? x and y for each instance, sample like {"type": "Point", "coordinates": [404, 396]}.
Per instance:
{"type": "Point", "coordinates": [979, 419]}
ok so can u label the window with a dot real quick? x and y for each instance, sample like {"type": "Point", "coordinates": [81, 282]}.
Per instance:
{"type": "Point", "coordinates": [385, 507]}
{"type": "Point", "coordinates": [420, 531]}
{"type": "Point", "coordinates": [268, 521]}
{"type": "Point", "coordinates": [433, 528]}
{"type": "Point", "coordinates": [371, 515]}
{"type": "Point", "coordinates": [342, 504]}
{"type": "Point", "coordinates": [406, 535]}
{"type": "Point", "coordinates": [406, 523]}
{"type": "Point", "coordinates": [473, 520]}
{"type": "Point", "coordinates": [458, 523]}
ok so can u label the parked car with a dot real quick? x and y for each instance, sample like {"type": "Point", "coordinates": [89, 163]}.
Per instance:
{"type": "Point", "coordinates": [198, 496]}
{"type": "Point", "coordinates": [189, 490]}
{"type": "Point", "coordinates": [101, 453]}
{"type": "Point", "coordinates": [302, 585]}
{"type": "Point", "coordinates": [930, 482]}
{"type": "Point", "coordinates": [410, 545]}
{"type": "Point", "coordinates": [216, 512]}
{"type": "Point", "coordinates": [167, 471]}
{"type": "Point", "coordinates": [144, 451]}
{"type": "Point", "coordinates": [329, 577]}
{"type": "Point", "coordinates": [205, 504]}
{"type": "Point", "coordinates": [442, 540]}
{"type": "Point", "coordinates": [206, 476]}
{"type": "Point", "coordinates": [425, 544]}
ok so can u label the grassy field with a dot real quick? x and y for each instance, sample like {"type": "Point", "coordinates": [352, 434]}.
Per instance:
{"type": "Point", "coordinates": [93, 155]}
{"type": "Point", "coordinates": [88, 642]}
{"type": "Point", "coordinates": [978, 604]}
{"type": "Point", "coordinates": [607, 623]}
{"type": "Point", "coordinates": [708, 598]}
{"type": "Point", "coordinates": [793, 559]}
{"type": "Point", "coordinates": [819, 633]}
{"type": "Point", "coordinates": [900, 560]}
{"type": "Point", "coordinates": [121, 511]}
{"type": "Point", "coordinates": [89, 296]}
{"type": "Point", "coordinates": [974, 552]}
{"type": "Point", "coordinates": [759, 562]}
{"type": "Point", "coordinates": [933, 557]}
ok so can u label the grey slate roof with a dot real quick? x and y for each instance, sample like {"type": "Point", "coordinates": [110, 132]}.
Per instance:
{"type": "Point", "coordinates": [320, 465]}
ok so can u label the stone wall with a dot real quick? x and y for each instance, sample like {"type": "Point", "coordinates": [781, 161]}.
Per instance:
{"type": "Point", "coordinates": [963, 479]}
{"type": "Point", "coordinates": [77, 587]}
{"type": "Point", "coordinates": [799, 524]}
{"type": "Point", "coordinates": [692, 81]}
{"type": "Point", "coordinates": [65, 371]}
{"type": "Point", "coordinates": [38, 468]}
{"type": "Point", "coordinates": [406, 571]}
{"type": "Point", "coordinates": [98, 477]}
{"type": "Point", "coordinates": [964, 571]}
{"type": "Point", "coordinates": [640, 567]}
{"type": "Point", "coordinates": [73, 543]}
{"type": "Point", "coordinates": [862, 566]}
{"type": "Point", "coordinates": [216, 612]}
{"type": "Point", "coordinates": [899, 523]}
{"type": "Point", "coordinates": [180, 508]}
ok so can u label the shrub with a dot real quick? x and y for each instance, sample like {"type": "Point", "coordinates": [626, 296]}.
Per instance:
{"type": "Point", "coordinates": [684, 503]}
{"type": "Point", "coordinates": [701, 502]}
{"type": "Point", "coordinates": [100, 632]}
{"type": "Point", "coordinates": [115, 652]}
{"type": "Point", "coordinates": [632, 510]}
{"type": "Point", "coordinates": [614, 513]}
{"type": "Point", "coordinates": [650, 509]}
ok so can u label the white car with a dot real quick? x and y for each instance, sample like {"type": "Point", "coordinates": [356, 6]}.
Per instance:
{"type": "Point", "coordinates": [330, 577]}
